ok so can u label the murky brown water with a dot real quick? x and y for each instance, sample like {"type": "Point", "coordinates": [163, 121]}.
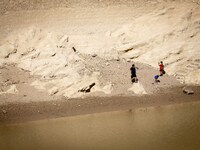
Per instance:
{"type": "Point", "coordinates": [163, 128]}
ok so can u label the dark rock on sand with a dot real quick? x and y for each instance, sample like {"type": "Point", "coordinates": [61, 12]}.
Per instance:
{"type": "Point", "coordinates": [188, 90]}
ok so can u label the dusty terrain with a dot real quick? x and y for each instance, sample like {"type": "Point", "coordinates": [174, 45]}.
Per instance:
{"type": "Point", "coordinates": [17, 84]}
{"type": "Point", "coordinates": [52, 50]}
{"type": "Point", "coordinates": [23, 112]}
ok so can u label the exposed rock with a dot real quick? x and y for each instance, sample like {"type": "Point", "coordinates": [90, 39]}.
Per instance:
{"type": "Point", "coordinates": [63, 41]}
{"type": "Point", "coordinates": [12, 52]}
{"type": "Point", "coordinates": [45, 49]}
{"type": "Point", "coordinates": [107, 63]}
{"type": "Point", "coordinates": [87, 88]}
{"type": "Point", "coordinates": [4, 111]}
{"type": "Point", "coordinates": [53, 54]}
{"type": "Point", "coordinates": [31, 49]}
{"type": "Point", "coordinates": [137, 88]}
{"type": "Point", "coordinates": [53, 91]}
{"type": "Point", "coordinates": [74, 49]}
{"type": "Point", "coordinates": [128, 60]}
{"type": "Point", "coordinates": [107, 89]}
{"type": "Point", "coordinates": [188, 90]}
{"type": "Point", "coordinates": [117, 59]}
{"type": "Point", "coordinates": [94, 55]}
{"type": "Point", "coordinates": [12, 90]}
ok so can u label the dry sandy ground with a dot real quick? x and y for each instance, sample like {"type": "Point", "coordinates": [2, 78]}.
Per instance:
{"type": "Point", "coordinates": [16, 84]}
{"type": "Point", "coordinates": [23, 112]}
{"type": "Point", "coordinates": [28, 103]}
{"type": "Point", "coordinates": [36, 40]}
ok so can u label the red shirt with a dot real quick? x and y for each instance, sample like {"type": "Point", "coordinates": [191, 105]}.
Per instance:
{"type": "Point", "coordinates": [161, 66]}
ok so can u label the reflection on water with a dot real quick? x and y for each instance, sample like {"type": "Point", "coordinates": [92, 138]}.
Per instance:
{"type": "Point", "coordinates": [161, 128]}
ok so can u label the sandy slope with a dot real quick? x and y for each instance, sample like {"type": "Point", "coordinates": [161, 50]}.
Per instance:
{"type": "Point", "coordinates": [113, 80]}
{"type": "Point", "coordinates": [41, 38]}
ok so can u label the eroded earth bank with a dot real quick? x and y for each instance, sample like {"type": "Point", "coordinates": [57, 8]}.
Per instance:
{"type": "Point", "coordinates": [61, 58]}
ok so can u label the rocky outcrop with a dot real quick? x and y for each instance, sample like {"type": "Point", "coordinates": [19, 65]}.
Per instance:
{"type": "Point", "coordinates": [68, 54]}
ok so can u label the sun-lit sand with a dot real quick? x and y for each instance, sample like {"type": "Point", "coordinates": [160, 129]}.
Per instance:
{"type": "Point", "coordinates": [51, 50]}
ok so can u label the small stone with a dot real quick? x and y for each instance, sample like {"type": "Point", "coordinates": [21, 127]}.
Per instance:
{"type": "Point", "coordinates": [53, 91]}
{"type": "Point", "coordinates": [54, 54]}
{"type": "Point", "coordinates": [74, 49]}
{"type": "Point", "coordinates": [87, 88]}
{"type": "Point", "coordinates": [128, 60]}
{"type": "Point", "coordinates": [188, 90]}
{"type": "Point", "coordinates": [4, 111]}
{"type": "Point", "coordinates": [107, 64]}
{"type": "Point", "coordinates": [94, 55]}
{"type": "Point", "coordinates": [117, 59]}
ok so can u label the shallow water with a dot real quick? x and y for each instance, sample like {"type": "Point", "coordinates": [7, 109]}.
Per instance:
{"type": "Point", "coordinates": [174, 127]}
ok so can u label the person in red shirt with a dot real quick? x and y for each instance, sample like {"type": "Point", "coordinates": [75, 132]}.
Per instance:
{"type": "Point", "coordinates": [161, 68]}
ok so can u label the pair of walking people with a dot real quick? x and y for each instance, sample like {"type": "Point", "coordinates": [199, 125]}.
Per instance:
{"type": "Point", "coordinates": [134, 76]}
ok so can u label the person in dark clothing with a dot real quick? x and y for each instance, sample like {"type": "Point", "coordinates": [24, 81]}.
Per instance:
{"type": "Point", "coordinates": [133, 74]}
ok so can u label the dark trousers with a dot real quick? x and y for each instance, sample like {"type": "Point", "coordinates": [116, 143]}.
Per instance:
{"type": "Point", "coordinates": [134, 78]}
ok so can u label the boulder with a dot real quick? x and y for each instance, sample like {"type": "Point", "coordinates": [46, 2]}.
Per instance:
{"type": "Point", "coordinates": [188, 90]}
{"type": "Point", "coordinates": [87, 88]}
